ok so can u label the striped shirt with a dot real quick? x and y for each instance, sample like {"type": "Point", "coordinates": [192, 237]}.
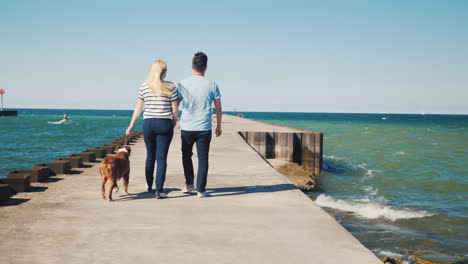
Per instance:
{"type": "Point", "coordinates": [157, 106]}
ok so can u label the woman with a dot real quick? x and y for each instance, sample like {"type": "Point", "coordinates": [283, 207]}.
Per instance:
{"type": "Point", "coordinates": [159, 98]}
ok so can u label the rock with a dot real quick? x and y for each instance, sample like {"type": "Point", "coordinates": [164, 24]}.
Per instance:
{"type": "Point", "coordinates": [297, 175]}
{"type": "Point", "coordinates": [409, 250]}
{"type": "Point", "coordinates": [388, 260]}
{"type": "Point", "coordinates": [436, 257]}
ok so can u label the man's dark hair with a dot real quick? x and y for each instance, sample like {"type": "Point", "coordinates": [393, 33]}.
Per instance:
{"type": "Point", "coordinates": [200, 61]}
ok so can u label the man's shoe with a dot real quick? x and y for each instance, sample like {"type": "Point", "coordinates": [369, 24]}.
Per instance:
{"type": "Point", "coordinates": [188, 188]}
{"type": "Point", "coordinates": [202, 194]}
{"type": "Point", "coordinates": [161, 195]}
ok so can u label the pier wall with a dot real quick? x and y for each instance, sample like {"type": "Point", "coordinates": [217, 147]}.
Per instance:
{"type": "Point", "coordinates": [8, 113]}
{"type": "Point", "coordinates": [303, 148]}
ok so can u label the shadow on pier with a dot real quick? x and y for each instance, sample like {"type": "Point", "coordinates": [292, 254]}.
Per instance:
{"type": "Point", "coordinates": [213, 192]}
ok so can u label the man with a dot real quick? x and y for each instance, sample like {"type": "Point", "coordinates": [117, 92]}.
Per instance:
{"type": "Point", "coordinates": [197, 95]}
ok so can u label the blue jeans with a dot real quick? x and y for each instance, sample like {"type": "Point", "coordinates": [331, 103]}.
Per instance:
{"type": "Point", "coordinates": [202, 139]}
{"type": "Point", "coordinates": [157, 133]}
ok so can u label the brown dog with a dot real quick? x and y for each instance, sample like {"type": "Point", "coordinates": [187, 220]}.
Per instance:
{"type": "Point", "coordinates": [114, 168]}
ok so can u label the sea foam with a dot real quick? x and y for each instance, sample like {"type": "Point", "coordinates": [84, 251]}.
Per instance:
{"type": "Point", "coordinates": [369, 209]}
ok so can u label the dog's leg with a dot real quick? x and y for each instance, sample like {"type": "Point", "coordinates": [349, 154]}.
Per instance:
{"type": "Point", "coordinates": [103, 187]}
{"type": "Point", "coordinates": [125, 182]}
{"type": "Point", "coordinates": [115, 177]}
{"type": "Point", "coordinates": [113, 185]}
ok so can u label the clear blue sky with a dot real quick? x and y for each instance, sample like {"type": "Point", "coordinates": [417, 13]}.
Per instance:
{"type": "Point", "coordinates": [305, 56]}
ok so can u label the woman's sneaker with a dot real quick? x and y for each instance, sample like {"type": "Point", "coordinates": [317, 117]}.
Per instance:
{"type": "Point", "coordinates": [188, 188]}
{"type": "Point", "coordinates": [161, 195]}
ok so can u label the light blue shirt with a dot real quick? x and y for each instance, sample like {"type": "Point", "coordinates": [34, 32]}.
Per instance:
{"type": "Point", "coordinates": [197, 94]}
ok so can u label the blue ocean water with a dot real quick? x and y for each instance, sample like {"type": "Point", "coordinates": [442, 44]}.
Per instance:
{"type": "Point", "coordinates": [397, 182]}
{"type": "Point", "coordinates": [30, 139]}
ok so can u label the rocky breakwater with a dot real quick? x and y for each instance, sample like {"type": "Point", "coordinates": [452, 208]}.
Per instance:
{"type": "Point", "coordinates": [15, 186]}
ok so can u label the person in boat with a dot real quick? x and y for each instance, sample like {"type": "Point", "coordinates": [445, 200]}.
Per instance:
{"type": "Point", "coordinates": [65, 119]}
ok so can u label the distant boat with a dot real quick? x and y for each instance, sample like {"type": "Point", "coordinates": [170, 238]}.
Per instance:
{"type": "Point", "coordinates": [383, 118]}
{"type": "Point", "coordinates": [422, 113]}
{"type": "Point", "coordinates": [63, 121]}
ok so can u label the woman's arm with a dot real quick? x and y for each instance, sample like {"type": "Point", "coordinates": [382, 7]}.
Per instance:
{"type": "Point", "coordinates": [175, 111]}
{"type": "Point", "coordinates": [136, 113]}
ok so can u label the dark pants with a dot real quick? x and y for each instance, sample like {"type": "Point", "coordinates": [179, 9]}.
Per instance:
{"type": "Point", "coordinates": [157, 133]}
{"type": "Point", "coordinates": [202, 139]}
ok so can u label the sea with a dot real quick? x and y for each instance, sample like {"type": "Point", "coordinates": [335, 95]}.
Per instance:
{"type": "Point", "coordinates": [397, 182]}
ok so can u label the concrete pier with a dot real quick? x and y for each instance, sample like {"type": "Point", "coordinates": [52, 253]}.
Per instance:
{"type": "Point", "coordinates": [254, 215]}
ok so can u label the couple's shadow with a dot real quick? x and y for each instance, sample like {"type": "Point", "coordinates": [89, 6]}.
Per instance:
{"type": "Point", "coordinates": [213, 192]}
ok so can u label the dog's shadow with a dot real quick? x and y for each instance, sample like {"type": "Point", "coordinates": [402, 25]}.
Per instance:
{"type": "Point", "coordinates": [134, 196]}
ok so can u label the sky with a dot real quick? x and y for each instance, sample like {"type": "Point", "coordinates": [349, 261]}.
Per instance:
{"type": "Point", "coordinates": [281, 56]}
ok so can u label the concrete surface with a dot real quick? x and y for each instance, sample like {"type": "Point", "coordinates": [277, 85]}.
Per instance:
{"type": "Point", "coordinates": [255, 215]}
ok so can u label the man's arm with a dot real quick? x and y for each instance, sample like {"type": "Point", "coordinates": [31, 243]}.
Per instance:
{"type": "Point", "coordinates": [217, 103]}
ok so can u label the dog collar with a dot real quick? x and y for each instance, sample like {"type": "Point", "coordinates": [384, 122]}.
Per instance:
{"type": "Point", "coordinates": [122, 150]}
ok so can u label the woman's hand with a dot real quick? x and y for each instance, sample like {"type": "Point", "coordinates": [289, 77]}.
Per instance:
{"type": "Point", "coordinates": [136, 114]}
{"type": "Point", "coordinates": [129, 130]}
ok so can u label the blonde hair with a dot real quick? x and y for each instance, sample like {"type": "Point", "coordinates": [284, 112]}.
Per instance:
{"type": "Point", "coordinates": [155, 79]}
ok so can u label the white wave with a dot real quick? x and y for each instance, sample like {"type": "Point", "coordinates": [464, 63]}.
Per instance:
{"type": "Point", "coordinates": [332, 157]}
{"type": "Point", "coordinates": [362, 165]}
{"type": "Point", "coordinates": [390, 254]}
{"type": "Point", "coordinates": [380, 199]}
{"type": "Point", "coordinates": [371, 190]}
{"type": "Point", "coordinates": [400, 153]}
{"type": "Point", "coordinates": [370, 174]}
{"type": "Point", "coordinates": [369, 209]}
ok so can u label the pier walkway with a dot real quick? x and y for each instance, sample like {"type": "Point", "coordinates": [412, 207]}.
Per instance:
{"type": "Point", "coordinates": [254, 215]}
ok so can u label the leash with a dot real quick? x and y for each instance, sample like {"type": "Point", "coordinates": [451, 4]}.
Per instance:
{"type": "Point", "coordinates": [126, 141]}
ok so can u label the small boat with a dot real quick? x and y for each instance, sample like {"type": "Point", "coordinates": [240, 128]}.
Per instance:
{"type": "Point", "coordinates": [63, 121]}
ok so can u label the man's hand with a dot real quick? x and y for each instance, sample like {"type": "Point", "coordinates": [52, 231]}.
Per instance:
{"type": "Point", "coordinates": [219, 131]}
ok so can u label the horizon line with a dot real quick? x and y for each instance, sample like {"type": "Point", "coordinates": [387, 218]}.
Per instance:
{"type": "Point", "coordinates": [377, 113]}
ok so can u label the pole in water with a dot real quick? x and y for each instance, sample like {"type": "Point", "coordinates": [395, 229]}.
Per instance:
{"type": "Point", "coordinates": [1, 93]}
